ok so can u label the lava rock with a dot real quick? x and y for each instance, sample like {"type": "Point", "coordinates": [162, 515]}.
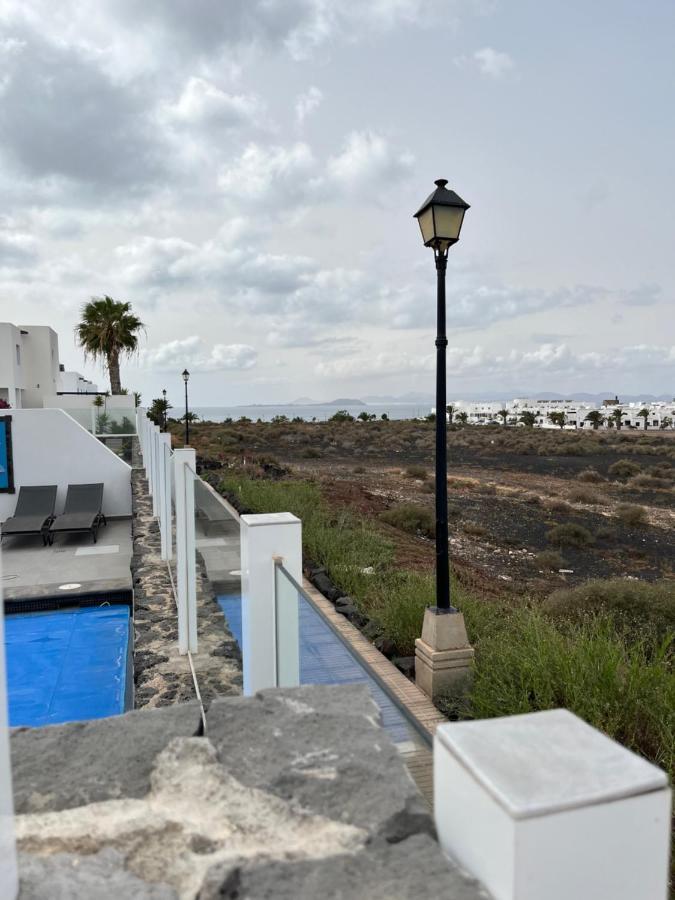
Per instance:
{"type": "Point", "coordinates": [385, 646]}
{"type": "Point", "coordinates": [323, 583]}
{"type": "Point", "coordinates": [405, 664]}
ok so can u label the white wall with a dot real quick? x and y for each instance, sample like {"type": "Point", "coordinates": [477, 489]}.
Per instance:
{"type": "Point", "coordinates": [40, 361]}
{"type": "Point", "coordinates": [11, 371]}
{"type": "Point", "coordinates": [73, 382]}
{"type": "Point", "coordinates": [49, 447]}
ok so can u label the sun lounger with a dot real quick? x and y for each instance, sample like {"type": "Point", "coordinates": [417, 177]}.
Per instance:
{"type": "Point", "coordinates": [82, 511]}
{"type": "Point", "coordinates": [34, 512]}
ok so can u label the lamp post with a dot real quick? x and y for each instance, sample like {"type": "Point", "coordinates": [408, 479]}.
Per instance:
{"type": "Point", "coordinates": [440, 219]}
{"type": "Point", "coordinates": [186, 378]}
{"type": "Point", "coordinates": [164, 417]}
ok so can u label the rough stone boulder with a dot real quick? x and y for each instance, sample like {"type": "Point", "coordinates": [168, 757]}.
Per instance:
{"type": "Point", "coordinates": [291, 794]}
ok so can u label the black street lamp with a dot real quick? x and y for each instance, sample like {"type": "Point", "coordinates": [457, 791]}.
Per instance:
{"type": "Point", "coordinates": [186, 377]}
{"type": "Point", "coordinates": [164, 396]}
{"type": "Point", "coordinates": [440, 219]}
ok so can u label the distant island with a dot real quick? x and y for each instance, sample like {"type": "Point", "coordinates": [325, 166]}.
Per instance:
{"type": "Point", "coordinates": [341, 401]}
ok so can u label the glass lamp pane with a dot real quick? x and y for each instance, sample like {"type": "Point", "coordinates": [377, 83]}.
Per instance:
{"type": "Point", "coordinates": [426, 221]}
{"type": "Point", "coordinates": [448, 221]}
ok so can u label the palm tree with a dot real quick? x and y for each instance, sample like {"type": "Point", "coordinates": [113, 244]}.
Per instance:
{"type": "Point", "coordinates": [666, 422]}
{"type": "Point", "coordinates": [463, 417]}
{"type": "Point", "coordinates": [644, 413]}
{"type": "Point", "coordinates": [617, 416]}
{"type": "Point", "coordinates": [558, 418]}
{"type": "Point", "coordinates": [137, 399]}
{"type": "Point", "coordinates": [450, 411]}
{"type": "Point", "coordinates": [528, 418]}
{"type": "Point", "coordinates": [504, 413]}
{"type": "Point", "coordinates": [596, 418]}
{"type": "Point", "coordinates": [108, 330]}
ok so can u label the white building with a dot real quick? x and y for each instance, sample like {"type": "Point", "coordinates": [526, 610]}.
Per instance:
{"type": "Point", "coordinates": [661, 414]}
{"type": "Point", "coordinates": [29, 367]}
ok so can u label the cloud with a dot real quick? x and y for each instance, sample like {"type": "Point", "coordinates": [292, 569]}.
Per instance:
{"type": "Point", "coordinates": [261, 173]}
{"type": "Point", "coordinates": [492, 63]}
{"type": "Point", "coordinates": [202, 103]}
{"type": "Point", "coordinates": [366, 159]}
{"type": "Point", "coordinates": [17, 248]}
{"type": "Point", "coordinates": [294, 177]}
{"type": "Point", "coordinates": [192, 352]}
{"type": "Point", "coordinates": [307, 103]}
{"type": "Point", "coordinates": [643, 295]}
{"type": "Point", "coordinates": [557, 360]}
{"type": "Point", "coordinates": [62, 116]}
{"type": "Point", "coordinates": [297, 27]}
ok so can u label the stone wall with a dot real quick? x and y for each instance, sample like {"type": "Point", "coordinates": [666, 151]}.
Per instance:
{"type": "Point", "coordinates": [294, 794]}
{"type": "Point", "coordinates": [161, 675]}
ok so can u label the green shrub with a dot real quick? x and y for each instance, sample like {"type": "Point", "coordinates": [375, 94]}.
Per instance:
{"type": "Point", "coordinates": [591, 476]}
{"type": "Point", "coordinates": [527, 662]}
{"type": "Point", "coordinates": [624, 468]}
{"type": "Point", "coordinates": [311, 453]}
{"type": "Point", "coordinates": [418, 472]}
{"type": "Point", "coordinates": [631, 514]}
{"type": "Point", "coordinates": [358, 470]}
{"type": "Point", "coordinates": [550, 560]}
{"type": "Point", "coordinates": [645, 481]}
{"type": "Point", "coordinates": [625, 600]}
{"type": "Point", "coordinates": [474, 528]}
{"type": "Point", "coordinates": [605, 533]}
{"type": "Point", "coordinates": [411, 518]}
{"type": "Point", "coordinates": [586, 495]}
{"type": "Point", "coordinates": [570, 535]}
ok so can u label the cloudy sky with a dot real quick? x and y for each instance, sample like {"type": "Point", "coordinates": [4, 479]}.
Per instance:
{"type": "Point", "coordinates": [245, 173]}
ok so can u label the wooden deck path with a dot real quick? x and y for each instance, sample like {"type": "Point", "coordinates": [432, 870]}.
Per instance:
{"type": "Point", "coordinates": [420, 759]}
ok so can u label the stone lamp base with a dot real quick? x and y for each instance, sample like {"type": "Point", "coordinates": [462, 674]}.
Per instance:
{"type": "Point", "coordinates": [443, 655]}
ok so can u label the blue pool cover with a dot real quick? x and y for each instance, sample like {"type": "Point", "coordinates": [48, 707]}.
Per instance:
{"type": "Point", "coordinates": [324, 659]}
{"type": "Point", "coordinates": [66, 665]}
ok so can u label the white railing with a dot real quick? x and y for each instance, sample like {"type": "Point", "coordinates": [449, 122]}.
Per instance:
{"type": "Point", "coordinates": [186, 553]}
{"type": "Point", "coordinates": [171, 479]}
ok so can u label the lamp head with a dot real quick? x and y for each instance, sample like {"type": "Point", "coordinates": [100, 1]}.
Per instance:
{"type": "Point", "coordinates": [440, 217]}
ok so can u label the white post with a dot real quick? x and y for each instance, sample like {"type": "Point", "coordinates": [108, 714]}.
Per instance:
{"type": "Point", "coordinates": [155, 444]}
{"type": "Point", "coordinates": [264, 537]}
{"type": "Point", "coordinates": [9, 881]}
{"type": "Point", "coordinates": [139, 426]}
{"type": "Point", "coordinates": [165, 494]}
{"type": "Point", "coordinates": [186, 584]}
{"type": "Point", "coordinates": [146, 447]}
{"type": "Point", "coordinates": [544, 806]}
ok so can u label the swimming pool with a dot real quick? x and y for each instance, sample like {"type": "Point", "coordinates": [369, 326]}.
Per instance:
{"type": "Point", "coordinates": [68, 665]}
{"type": "Point", "coordinates": [324, 659]}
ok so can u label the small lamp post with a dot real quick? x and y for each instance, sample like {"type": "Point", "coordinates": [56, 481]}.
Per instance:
{"type": "Point", "coordinates": [186, 378]}
{"type": "Point", "coordinates": [164, 417]}
{"type": "Point", "coordinates": [443, 637]}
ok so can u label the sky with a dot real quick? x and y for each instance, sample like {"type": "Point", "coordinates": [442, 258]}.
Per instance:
{"type": "Point", "coordinates": [245, 173]}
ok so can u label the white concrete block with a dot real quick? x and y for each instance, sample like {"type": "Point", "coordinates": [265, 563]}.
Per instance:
{"type": "Point", "coordinates": [545, 806]}
{"type": "Point", "coordinates": [270, 648]}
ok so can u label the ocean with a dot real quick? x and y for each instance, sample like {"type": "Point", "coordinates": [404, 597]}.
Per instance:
{"type": "Point", "coordinates": [318, 412]}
